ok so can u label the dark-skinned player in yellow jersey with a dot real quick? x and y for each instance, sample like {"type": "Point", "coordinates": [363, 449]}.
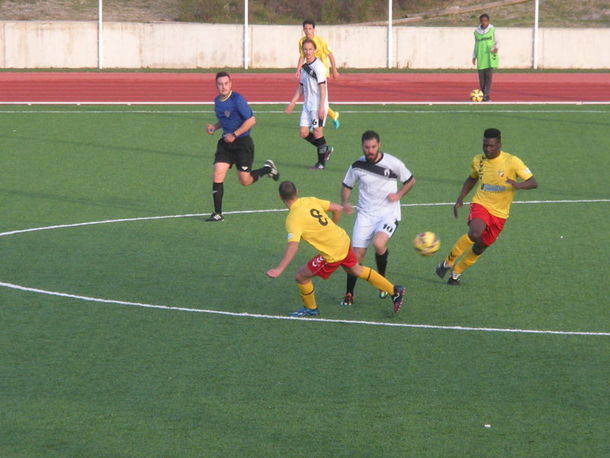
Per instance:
{"type": "Point", "coordinates": [495, 173]}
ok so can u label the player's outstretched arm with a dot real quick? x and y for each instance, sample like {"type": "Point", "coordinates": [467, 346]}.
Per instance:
{"type": "Point", "coordinates": [294, 100]}
{"type": "Point", "coordinates": [466, 188]}
{"type": "Point", "coordinates": [530, 183]}
{"type": "Point", "coordinates": [336, 210]}
{"type": "Point", "coordinates": [289, 254]}
{"type": "Point", "coordinates": [347, 207]}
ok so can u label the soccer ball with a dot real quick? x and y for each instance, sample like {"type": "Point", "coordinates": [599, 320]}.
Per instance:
{"type": "Point", "coordinates": [426, 243]}
{"type": "Point", "coordinates": [476, 95]}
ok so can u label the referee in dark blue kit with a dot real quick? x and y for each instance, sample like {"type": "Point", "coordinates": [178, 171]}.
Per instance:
{"type": "Point", "coordinates": [235, 146]}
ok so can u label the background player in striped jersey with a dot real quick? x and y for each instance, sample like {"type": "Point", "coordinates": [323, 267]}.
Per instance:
{"type": "Point", "coordinates": [494, 173]}
{"type": "Point", "coordinates": [236, 119]}
{"type": "Point", "coordinates": [324, 54]}
{"type": "Point", "coordinates": [308, 220]}
{"type": "Point", "coordinates": [313, 87]}
{"type": "Point", "coordinates": [376, 174]}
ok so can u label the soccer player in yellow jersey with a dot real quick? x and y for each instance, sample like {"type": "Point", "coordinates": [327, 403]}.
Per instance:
{"type": "Point", "coordinates": [495, 174]}
{"type": "Point", "coordinates": [326, 57]}
{"type": "Point", "coordinates": [308, 220]}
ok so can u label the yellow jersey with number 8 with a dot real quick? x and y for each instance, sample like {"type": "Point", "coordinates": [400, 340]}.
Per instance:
{"type": "Point", "coordinates": [307, 219]}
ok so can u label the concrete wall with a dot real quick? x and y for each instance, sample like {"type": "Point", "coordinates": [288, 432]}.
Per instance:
{"type": "Point", "coordinates": [179, 45]}
{"type": "Point", "coordinates": [48, 44]}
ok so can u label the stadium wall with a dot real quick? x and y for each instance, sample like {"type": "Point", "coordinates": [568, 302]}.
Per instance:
{"type": "Point", "coordinates": [67, 44]}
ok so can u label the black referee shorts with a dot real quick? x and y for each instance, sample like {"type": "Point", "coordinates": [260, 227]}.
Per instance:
{"type": "Point", "coordinates": [240, 152]}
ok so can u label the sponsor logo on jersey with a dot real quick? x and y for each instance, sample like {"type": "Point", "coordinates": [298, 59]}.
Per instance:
{"type": "Point", "coordinates": [493, 187]}
{"type": "Point", "coordinates": [227, 114]}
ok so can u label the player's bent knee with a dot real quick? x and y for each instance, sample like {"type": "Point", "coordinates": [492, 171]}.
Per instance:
{"type": "Point", "coordinates": [380, 246]}
{"type": "Point", "coordinates": [356, 270]}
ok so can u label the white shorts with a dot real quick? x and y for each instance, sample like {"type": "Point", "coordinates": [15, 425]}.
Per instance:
{"type": "Point", "coordinates": [366, 227]}
{"type": "Point", "coordinates": [309, 118]}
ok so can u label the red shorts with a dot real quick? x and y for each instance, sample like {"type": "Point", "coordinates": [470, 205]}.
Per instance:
{"type": "Point", "coordinates": [323, 269]}
{"type": "Point", "coordinates": [493, 224]}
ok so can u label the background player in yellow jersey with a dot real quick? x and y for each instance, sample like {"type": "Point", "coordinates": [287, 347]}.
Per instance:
{"type": "Point", "coordinates": [307, 219]}
{"type": "Point", "coordinates": [325, 55]}
{"type": "Point", "coordinates": [495, 173]}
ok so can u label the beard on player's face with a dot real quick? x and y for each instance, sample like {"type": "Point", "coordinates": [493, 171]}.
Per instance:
{"type": "Point", "coordinates": [371, 151]}
{"type": "Point", "coordinates": [371, 156]}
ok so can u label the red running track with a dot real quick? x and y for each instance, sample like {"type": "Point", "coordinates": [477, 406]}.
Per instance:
{"type": "Point", "coordinates": [279, 87]}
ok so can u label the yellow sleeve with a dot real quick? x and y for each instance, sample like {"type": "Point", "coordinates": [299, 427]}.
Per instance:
{"type": "Point", "coordinates": [301, 47]}
{"type": "Point", "coordinates": [325, 204]}
{"type": "Point", "coordinates": [324, 47]}
{"type": "Point", "coordinates": [474, 172]}
{"type": "Point", "coordinates": [521, 170]}
{"type": "Point", "coordinates": [294, 230]}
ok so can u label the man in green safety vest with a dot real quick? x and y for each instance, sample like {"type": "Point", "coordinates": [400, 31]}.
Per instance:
{"type": "Point", "coordinates": [485, 53]}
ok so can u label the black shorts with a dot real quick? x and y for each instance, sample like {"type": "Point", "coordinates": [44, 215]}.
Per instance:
{"type": "Point", "coordinates": [240, 152]}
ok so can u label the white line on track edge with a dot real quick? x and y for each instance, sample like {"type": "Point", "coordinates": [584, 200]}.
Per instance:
{"type": "Point", "coordinates": [279, 317]}
{"type": "Point", "coordinates": [257, 111]}
{"type": "Point", "coordinates": [253, 102]}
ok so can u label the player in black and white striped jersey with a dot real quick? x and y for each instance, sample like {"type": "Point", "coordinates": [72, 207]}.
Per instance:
{"type": "Point", "coordinates": [377, 175]}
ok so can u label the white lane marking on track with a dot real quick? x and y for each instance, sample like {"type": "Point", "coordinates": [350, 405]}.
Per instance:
{"type": "Point", "coordinates": [282, 112]}
{"type": "Point", "coordinates": [252, 102]}
{"type": "Point", "coordinates": [269, 210]}
{"type": "Point", "coordinates": [280, 317]}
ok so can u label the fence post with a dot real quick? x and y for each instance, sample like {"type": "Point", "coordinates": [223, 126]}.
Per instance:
{"type": "Point", "coordinates": [390, 50]}
{"type": "Point", "coordinates": [246, 36]}
{"type": "Point", "coordinates": [100, 34]}
{"type": "Point", "coordinates": [535, 38]}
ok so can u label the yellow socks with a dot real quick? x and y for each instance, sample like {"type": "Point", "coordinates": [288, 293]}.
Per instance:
{"type": "Point", "coordinates": [306, 290]}
{"type": "Point", "coordinates": [375, 279]}
{"type": "Point", "coordinates": [331, 113]}
{"type": "Point", "coordinates": [469, 259]}
{"type": "Point", "coordinates": [462, 244]}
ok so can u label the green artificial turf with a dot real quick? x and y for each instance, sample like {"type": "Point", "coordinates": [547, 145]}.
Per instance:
{"type": "Point", "coordinates": [86, 378]}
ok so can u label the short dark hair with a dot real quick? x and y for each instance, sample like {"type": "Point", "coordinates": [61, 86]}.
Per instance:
{"type": "Point", "coordinates": [310, 22]}
{"type": "Point", "coordinates": [484, 15]}
{"type": "Point", "coordinates": [492, 133]}
{"type": "Point", "coordinates": [369, 135]}
{"type": "Point", "coordinates": [309, 40]}
{"type": "Point", "coordinates": [222, 74]}
{"type": "Point", "coordinates": [288, 190]}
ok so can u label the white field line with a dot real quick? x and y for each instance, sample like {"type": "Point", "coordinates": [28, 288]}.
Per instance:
{"type": "Point", "coordinates": [253, 102]}
{"type": "Point", "coordinates": [278, 317]}
{"type": "Point", "coordinates": [314, 320]}
{"type": "Point", "coordinates": [484, 111]}
{"type": "Point", "coordinates": [269, 210]}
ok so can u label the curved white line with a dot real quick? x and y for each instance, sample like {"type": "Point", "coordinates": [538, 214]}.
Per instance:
{"type": "Point", "coordinates": [268, 210]}
{"type": "Point", "coordinates": [279, 317]}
